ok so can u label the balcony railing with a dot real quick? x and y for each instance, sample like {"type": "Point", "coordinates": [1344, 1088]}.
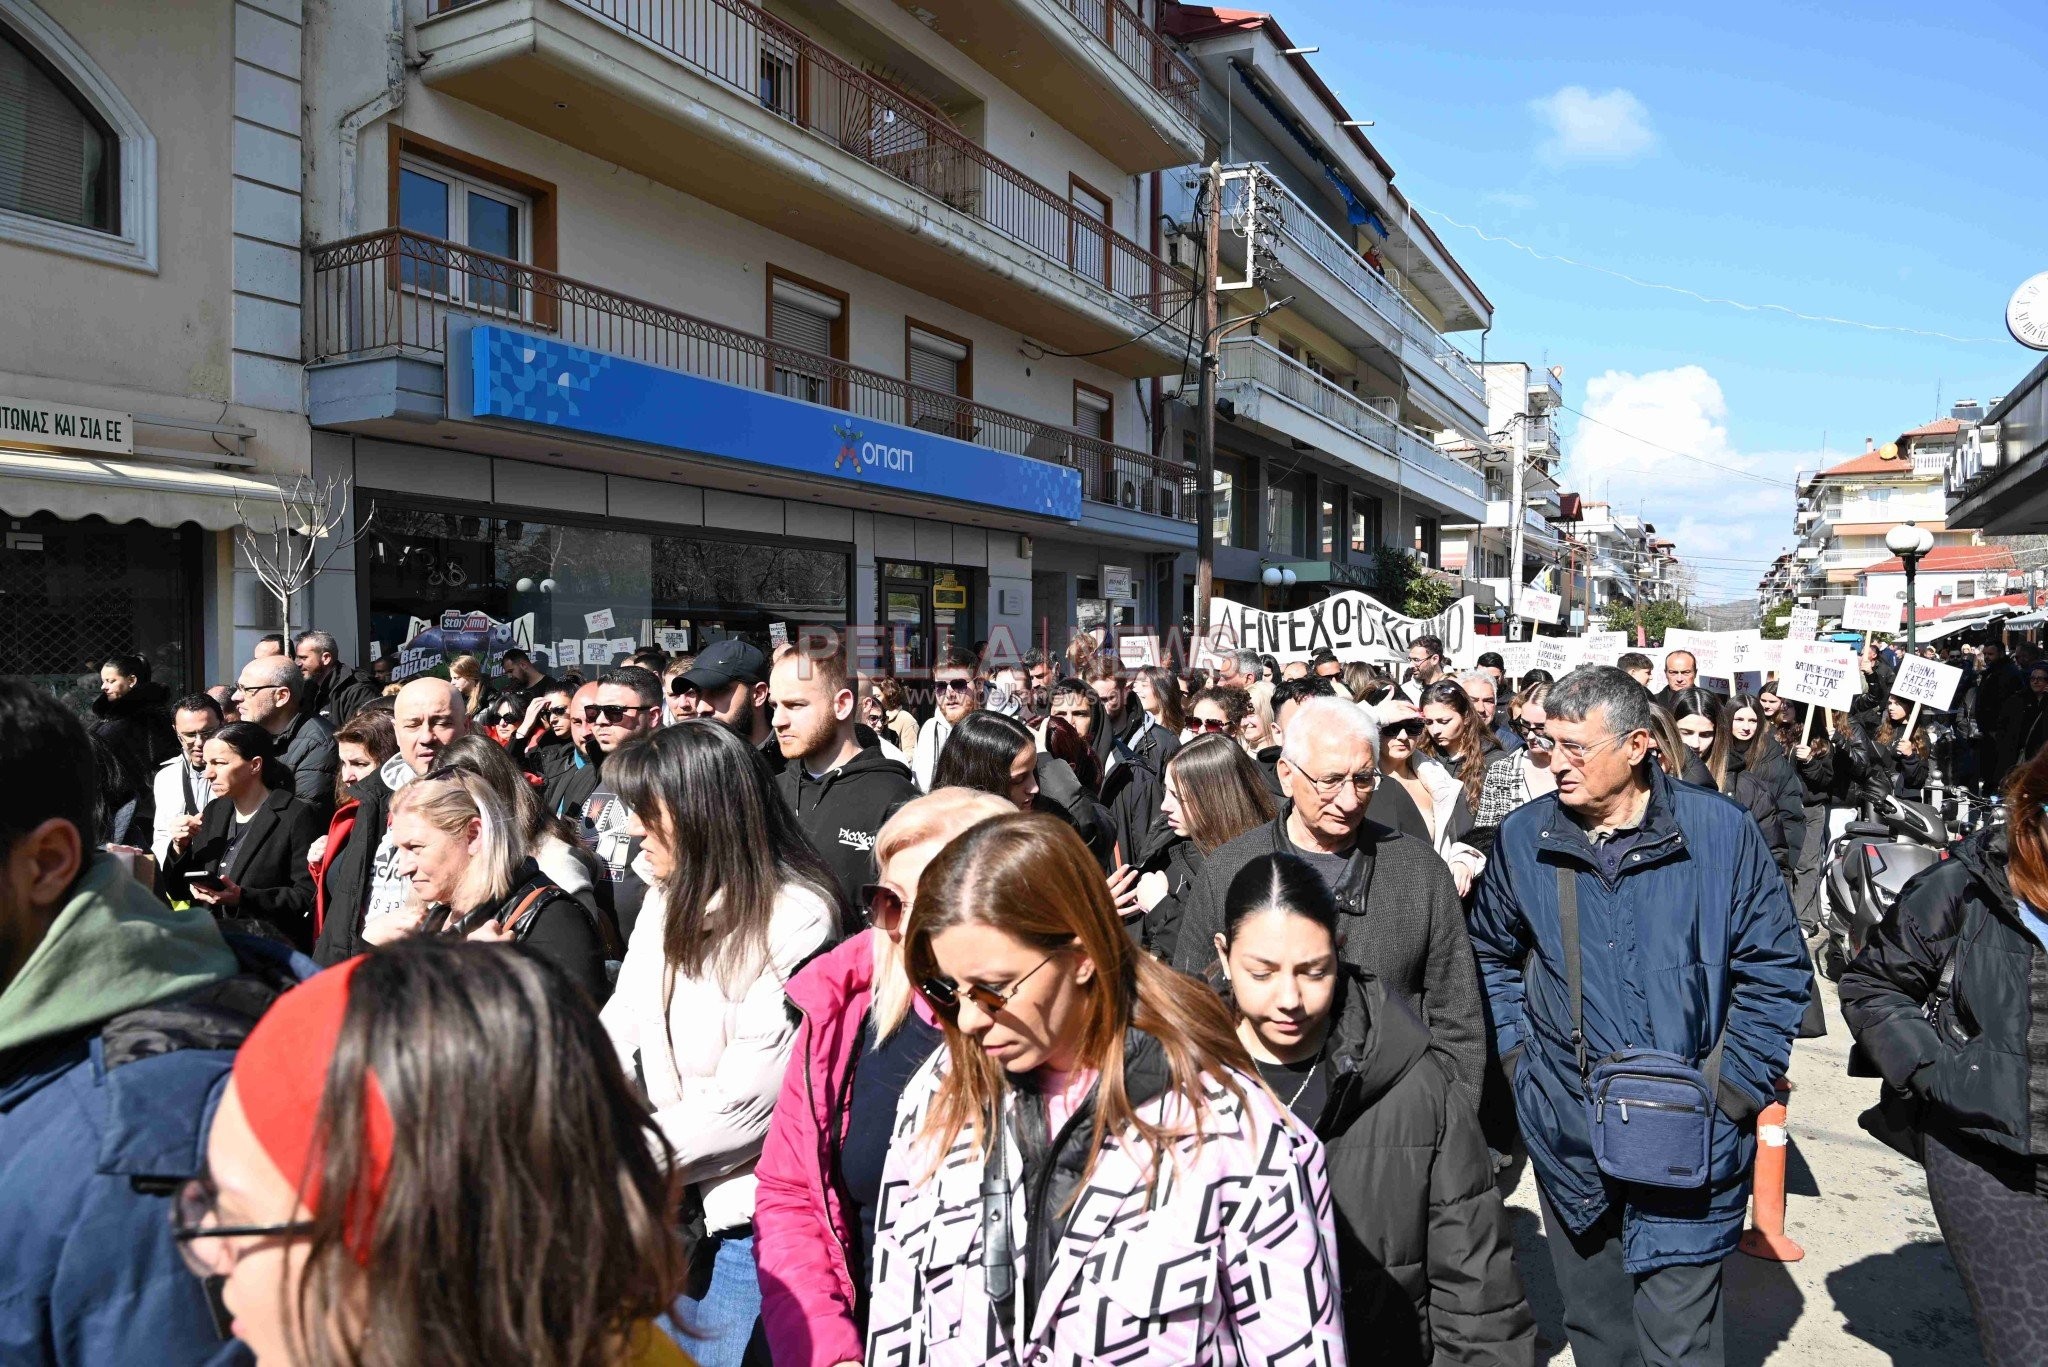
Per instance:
{"type": "Point", "coordinates": [742, 46]}
{"type": "Point", "coordinates": [1138, 46]}
{"type": "Point", "coordinates": [390, 292]}
{"type": "Point", "coordinates": [1246, 359]}
{"type": "Point", "coordinates": [1308, 231]}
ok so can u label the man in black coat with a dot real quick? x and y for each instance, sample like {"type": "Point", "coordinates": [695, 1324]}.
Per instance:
{"type": "Point", "coordinates": [272, 693]}
{"type": "Point", "coordinates": [1999, 681]}
{"type": "Point", "coordinates": [334, 692]}
{"type": "Point", "coordinates": [840, 790]}
{"type": "Point", "coordinates": [1403, 922]}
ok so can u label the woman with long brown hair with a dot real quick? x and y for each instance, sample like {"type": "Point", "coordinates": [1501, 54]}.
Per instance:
{"type": "Point", "coordinates": [429, 1155]}
{"type": "Point", "coordinates": [1459, 738]}
{"type": "Point", "coordinates": [1214, 794]}
{"type": "Point", "coordinates": [1943, 1001]}
{"type": "Point", "coordinates": [1092, 1147]}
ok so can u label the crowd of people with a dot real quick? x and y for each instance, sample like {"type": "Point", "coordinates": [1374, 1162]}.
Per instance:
{"type": "Point", "coordinates": [722, 1008]}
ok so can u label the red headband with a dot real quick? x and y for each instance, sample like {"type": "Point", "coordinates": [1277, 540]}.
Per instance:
{"type": "Point", "coordinates": [280, 1075]}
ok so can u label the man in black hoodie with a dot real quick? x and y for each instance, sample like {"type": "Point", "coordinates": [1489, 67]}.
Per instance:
{"type": "Point", "coordinates": [840, 791]}
{"type": "Point", "coordinates": [333, 690]}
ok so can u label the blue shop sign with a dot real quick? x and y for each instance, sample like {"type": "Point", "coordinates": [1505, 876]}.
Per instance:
{"type": "Point", "coordinates": [546, 383]}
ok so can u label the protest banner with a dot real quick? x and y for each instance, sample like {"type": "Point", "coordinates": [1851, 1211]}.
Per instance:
{"type": "Point", "coordinates": [1861, 612]}
{"type": "Point", "coordinates": [1712, 651]}
{"type": "Point", "coordinates": [1926, 683]}
{"type": "Point", "coordinates": [1603, 647]}
{"type": "Point", "coordinates": [1519, 657]}
{"type": "Point", "coordinates": [1538, 606]}
{"type": "Point", "coordinates": [1820, 674]}
{"type": "Point", "coordinates": [1803, 624]}
{"type": "Point", "coordinates": [1354, 625]}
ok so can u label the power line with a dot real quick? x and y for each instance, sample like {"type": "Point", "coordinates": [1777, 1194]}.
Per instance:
{"type": "Point", "coordinates": [1785, 309]}
{"type": "Point", "coordinates": [1683, 455]}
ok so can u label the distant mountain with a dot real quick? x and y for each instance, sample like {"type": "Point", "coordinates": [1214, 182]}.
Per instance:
{"type": "Point", "coordinates": [1735, 616]}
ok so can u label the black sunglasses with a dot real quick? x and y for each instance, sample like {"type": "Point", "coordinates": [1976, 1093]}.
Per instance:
{"type": "Point", "coordinates": [953, 686]}
{"type": "Point", "coordinates": [1207, 724]}
{"type": "Point", "coordinates": [945, 996]}
{"type": "Point", "coordinates": [612, 713]}
{"type": "Point", "coordinates": [1413, 726]}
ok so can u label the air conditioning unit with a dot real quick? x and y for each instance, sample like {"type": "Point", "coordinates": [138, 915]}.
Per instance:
{"type": "Point", "coordinates": [1148, 495]}
{"type": "Point", "coordinates": [1183, 252]}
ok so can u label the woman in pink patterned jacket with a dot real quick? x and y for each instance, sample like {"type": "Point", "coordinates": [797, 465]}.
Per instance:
{"type": "Point", "coordinates": [1089, 1171]}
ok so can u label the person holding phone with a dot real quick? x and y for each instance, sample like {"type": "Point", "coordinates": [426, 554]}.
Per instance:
{"type": "Point", "coordinates": [247, 859]}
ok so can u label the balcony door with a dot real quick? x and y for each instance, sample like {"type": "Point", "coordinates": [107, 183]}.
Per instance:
{"type": "Point", "coordinates": [807, 325]}
{"type": "Point", "coordinates": [1088, 247]}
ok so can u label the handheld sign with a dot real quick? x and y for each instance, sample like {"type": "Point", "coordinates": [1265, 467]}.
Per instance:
{"type": "Point", "coordinates": [1861, 612]}
{"type": "Point", "coordinates": [1821, 674]}
{"type": "Point", "coordinates": [1557, 654]}
{"type": "Point", "coordinates": [1803, 624]}
{"type": "Point", "coordinates": [1713, 652]}
{"type": "Point", "coordinates": [1927, 683]}
{"type": "Point", "coordinates": [1538, 606]}
{"type": "Point", "coordinates": [1136, 652]}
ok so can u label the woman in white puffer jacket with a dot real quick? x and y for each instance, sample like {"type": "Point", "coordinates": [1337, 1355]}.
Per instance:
{"type": "Point", "coordinates": [698, 1013]}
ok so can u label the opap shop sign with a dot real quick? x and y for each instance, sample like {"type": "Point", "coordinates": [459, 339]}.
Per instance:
{"type": "Point", "coordinates": [1351, 624]}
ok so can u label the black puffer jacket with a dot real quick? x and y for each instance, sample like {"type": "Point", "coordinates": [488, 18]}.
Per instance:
{"type": "Point", "coordinates": [1773, 776]}
{"type": "Point", "coordinates": [1181, 860]}
{"type": "Point", "coordinates": [1422, 1237]}
{"type": "Point", "coordinates": [137, 726]}
{"type": "Point", "coordinates": [1981, 1066]}
{"type": "Point", "coordinates": [1750, 793]}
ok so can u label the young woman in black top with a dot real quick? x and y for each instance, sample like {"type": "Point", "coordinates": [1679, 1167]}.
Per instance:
{"type": "Point", "coordinates": [247, 858]}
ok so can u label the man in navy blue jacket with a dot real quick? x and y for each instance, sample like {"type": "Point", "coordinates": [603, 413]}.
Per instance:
{"type": "Point", "coordinates": [1686, 931]}
{"type": "Point", "coordinates": [118, 1023]}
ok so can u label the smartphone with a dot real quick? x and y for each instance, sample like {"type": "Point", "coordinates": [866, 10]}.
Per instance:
{"type": "Point", "coordinates": [210, 881]}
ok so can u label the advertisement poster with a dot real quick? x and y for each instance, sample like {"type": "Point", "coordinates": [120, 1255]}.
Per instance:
{"type": "Point", "coordinates": [601, 620]}
{"type": "Point", "coordinates": [429, 645]}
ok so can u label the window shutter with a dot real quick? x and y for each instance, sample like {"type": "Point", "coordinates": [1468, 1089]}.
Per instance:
{"type": "Point", "coordinates": [802, 318]}
{"type": "Point", "coordinates": [54, 156]}
{"type": "Point", "coordinates": [935, 361]}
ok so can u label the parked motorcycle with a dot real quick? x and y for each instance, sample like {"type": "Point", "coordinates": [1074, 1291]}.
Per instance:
{"type": "Point", "coordinates": [1867, 865]}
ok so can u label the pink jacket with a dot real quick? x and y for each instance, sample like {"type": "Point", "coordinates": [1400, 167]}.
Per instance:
{"type": "Point", "coordinates": [803, 1230]}
{"type": "Point", "coordinates": [1231, 1262]}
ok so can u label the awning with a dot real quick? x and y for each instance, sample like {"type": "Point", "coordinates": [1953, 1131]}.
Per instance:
{"type": "Point", "coordinates": [2026, 621]}
{"type": "Point", "coordinates": [122, 490]}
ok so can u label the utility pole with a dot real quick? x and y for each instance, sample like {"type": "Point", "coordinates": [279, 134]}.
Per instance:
{"type": "Point", "coordinates": [1205, 440]}
{"type": "Point", "coordinates": [1518, 449]}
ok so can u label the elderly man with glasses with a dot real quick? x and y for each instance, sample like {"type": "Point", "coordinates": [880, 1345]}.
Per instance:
{"type": "Point", "coordinates": [1662, 901]}
{"type": "Point", "coordinates": [1402, 921]}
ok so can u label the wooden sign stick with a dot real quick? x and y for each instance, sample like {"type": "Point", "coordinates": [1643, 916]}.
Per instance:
{"type": "Point", "coordinates": [1912, 720]}
{"type": "Point", "coordinates": [1806, 731]}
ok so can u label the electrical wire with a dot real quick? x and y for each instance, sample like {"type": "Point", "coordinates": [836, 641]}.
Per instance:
{"type": "Point", "coordinates": [1684, 455]}
{"type": "Point", "coordinates": [1785, 309]}
{"type": "Point", "coordinates": [1043, 352]}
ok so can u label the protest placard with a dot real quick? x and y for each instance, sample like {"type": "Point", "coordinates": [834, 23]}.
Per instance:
{"type": "Point", "coordinates": [1137, 652]}
{"type": "Point", "coordinates": [1820, 673]}
{"type": "Point", "coordinates": [601, 620]}
{"type": "Point", "coordinates": [1354, 625]}
{"type": "Point", "coordinates": [1557, 654]}
{"type": "Point", "coordinates": [1803, 624]}
{"type": "Point", "coordinates": [597, 651]}
{"type": "Point", "coordinates": [568, 653]}
{"type": "Point", "coordinates": [1927, 682]}
{"type": "Point", "coordinates": [1712, 651]}
{"type": "Point", "coordinates": [1861, 612]}
{"type": "Point", "coordinates": [1754, 655]}
{"type": "Point", "coordinates": [1519, 657]}
{"type": "Point", "coordinates": [674, 640]}
{"type": "Point", "coordinates": [1602, 647]}
{"type": "Point", "coordinates": [1538, 606]}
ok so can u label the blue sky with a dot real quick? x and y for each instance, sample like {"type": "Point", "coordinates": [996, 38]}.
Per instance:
{"type": "Point", "coordinates": [1879, 162]}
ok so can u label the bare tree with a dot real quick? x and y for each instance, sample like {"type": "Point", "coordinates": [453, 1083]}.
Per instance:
{"type": "Point", "coordinates": [301, 539]}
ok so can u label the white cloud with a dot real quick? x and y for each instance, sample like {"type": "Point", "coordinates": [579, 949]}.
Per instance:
{"type": "Point", "coordinates": [1512, 200]}
{"type": "Point", "coordinates": [1728, 526]}
{"type": "Point", "coordinates": [1584, 127]}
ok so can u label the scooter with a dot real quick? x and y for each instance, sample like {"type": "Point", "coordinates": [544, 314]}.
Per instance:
{"type": "Point", "coordinates": [1867, 864]}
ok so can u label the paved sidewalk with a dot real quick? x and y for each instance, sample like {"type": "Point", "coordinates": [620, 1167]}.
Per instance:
{"type": "Point", "coordinates": [1876, 1288]}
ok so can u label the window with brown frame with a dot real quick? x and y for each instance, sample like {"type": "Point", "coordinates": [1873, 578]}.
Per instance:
{"type": "Point", "coordinates": [935, 362]}
{"type": "Point", "coordinates": [498, 224]}
{"type": "Point", "coordinates": [1088, 247]}
{"type": "Point", "coordinates": [1095, 416]}
{"type": "Point", "coordinates": [807, 322]}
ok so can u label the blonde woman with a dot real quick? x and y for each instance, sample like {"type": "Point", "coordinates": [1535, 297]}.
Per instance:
{"type": "Point", "coordinates": [864, 1032]}
{"type": "Point", "coordinates": [459, 850]}
{"type": "Point", "coordinates": [1430, 787]}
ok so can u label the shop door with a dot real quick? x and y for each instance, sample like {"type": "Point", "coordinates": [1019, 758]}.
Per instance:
{"type": "Point", "coordinates": [925, 609]}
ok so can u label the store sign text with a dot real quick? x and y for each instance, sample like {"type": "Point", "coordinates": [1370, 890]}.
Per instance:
{"type": "Point", "coordinates": [55, 424]}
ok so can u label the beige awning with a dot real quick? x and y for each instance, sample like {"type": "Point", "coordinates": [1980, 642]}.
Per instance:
{"type": "Point", "coordinates": [120, 489]}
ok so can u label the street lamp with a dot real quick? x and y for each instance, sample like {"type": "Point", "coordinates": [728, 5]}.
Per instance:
{"type": "Point", "coordinates": [1909, 541]}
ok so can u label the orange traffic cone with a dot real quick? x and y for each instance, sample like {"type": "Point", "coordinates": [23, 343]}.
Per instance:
{"type": "Point", "coordinates": [1766, 1236]}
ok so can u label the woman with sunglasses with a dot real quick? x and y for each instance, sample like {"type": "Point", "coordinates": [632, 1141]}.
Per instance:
{"type": "Point", "coordinates": [429, 1155]}
{"type": "Point", "coordinates": [1520, 775]}
{"type": "Point", "coordinates": [1214, 794]}
{"type": "Point", "coordinates": [1092, 1150]}
{"type": "Point", "coordinates": [1424, 1252]}
{"type": "Point", "coordinates": [1422, 784]}
{"type": "Point", "coordinates": [863, 1032]}
{"type": "Point", "coordinates": [471, 875]}
{"type": "Point", "coordinates": [737, 901]}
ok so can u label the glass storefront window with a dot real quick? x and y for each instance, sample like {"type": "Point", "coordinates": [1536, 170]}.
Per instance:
{"type": "Point", "coordinates": [448, 583]}
{"type": "Point", "coordinates": [1365, 523]}
{"type": "Point", "coordinates": [1223, 502]}
{"type": "Point", "coordinates": [1326, 527]}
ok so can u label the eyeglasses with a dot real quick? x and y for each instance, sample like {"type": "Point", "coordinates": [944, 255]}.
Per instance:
{"type": "Point", "coordinates": [612, 713]}
{"type": "Point", "coordinates": [883, 904]}
{"type": "Point", "coordinates": [1361, 783]}
{"type": "Point", "coordinates": [952, 685]}
{"type": "Point", "coordinates": [195, 1215]}
{"type": "Point", "coordinates": [1578, 752]}
{"type": "Point", "coordinates": [945, 997]}
{"type": "Point", "coordinates": [1411, 727]}
{"type": "Point", "coordinates": [554, 711]}
{"type": "Point", "coordinates": [1207, 724]}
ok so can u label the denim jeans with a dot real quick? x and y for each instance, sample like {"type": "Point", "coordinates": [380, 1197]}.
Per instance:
{"type": "Point", "coordinates": [715, 1328]}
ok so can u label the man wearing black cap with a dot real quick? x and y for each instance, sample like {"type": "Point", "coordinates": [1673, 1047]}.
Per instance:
{"type": "Point", "coordinates": [731, 680]}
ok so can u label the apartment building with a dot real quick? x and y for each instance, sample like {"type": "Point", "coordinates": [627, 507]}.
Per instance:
{"type": "Point", "coordinates": [667, 320]}
{"type": "Point", "coordinates": [1329, 408]}
{"type": "Point", "coordinates": [1521, 402]}
{"type": "Point", "coordinates": [149, 372]}
{"type": "Point", "coordinates": [1845, 510]}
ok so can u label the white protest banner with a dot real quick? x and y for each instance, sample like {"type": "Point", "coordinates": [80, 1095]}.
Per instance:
{"type": "Point", "coordinates": [1755, 655]}
{"type": "Point", "coordinates": [1820, 673]}
{"type": "Point", "coordinates": [675, 640]}
{"type": "Point", "coordinates": [623, 645]}
{"type": "Point", "coordinates": [1602, 647]}
{"type": "Point", "coordinates": [1556, 655]}
{"type": "Point", "coordinates": [1354, 625]}
{"type": "Point", "coordinates": [1712, 652]}
{"type": "Point", "coordinates": [596, 651]}
{"type": "Point", "coordinates": [1137, 652]}
{"type": "Point", "coordinates": [568, 653]}
{"type": "Point", "coordinates": [1861, 612]}
{"type": "Point", "coordinates": [1926, 683]}
{"type": "Point", "coordinates": [1803, 624]}
{"type": "Point", "coordinates": [778, 635]}
{"type": "Point", "coordinates": [601, 620]}
{"type": "Point", "coordinates": [1538, 606]}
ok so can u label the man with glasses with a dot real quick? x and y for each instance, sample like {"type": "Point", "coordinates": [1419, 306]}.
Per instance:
{"type": "Point", "coordinates": [956, 693]}
{"type": "Point", "coordinates": [1401, 918]}
{"type": "Point", "coordinates": [180, 786]}
{"type": "Point", "coordinates": [1685, 936]}
{"type": "Point", "coordinates": [272, 693]}
{"type": "Point", "coordinates": [626, 707]}
{"type": "Point", "coordinates": [117, 1030]}
{"type": "Point", "coordinates": [1425, 667]}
